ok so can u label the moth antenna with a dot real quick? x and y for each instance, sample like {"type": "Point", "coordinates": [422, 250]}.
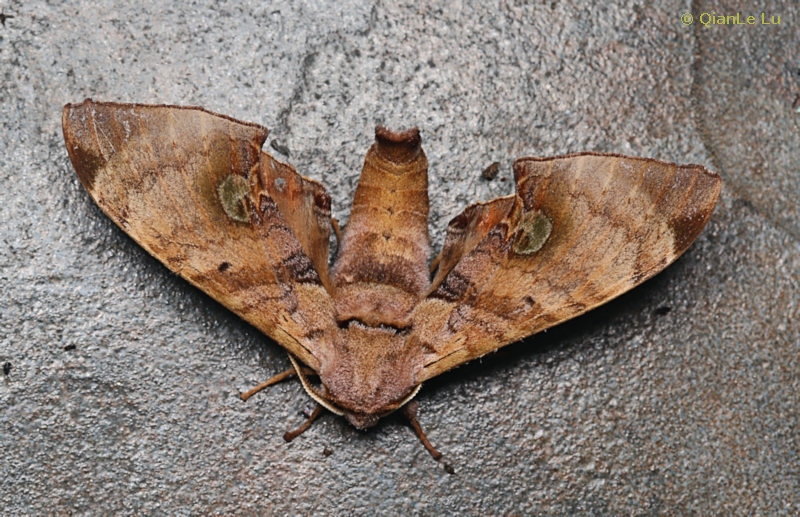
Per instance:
{"type": "Point", "coordinates": [274, 380]}
{"type": "Point", "coordinates": [312, 392]}
{"type": "Point", "coordinates": [435, 262]}
{"type": "Point", "coordinates": [291, 435]}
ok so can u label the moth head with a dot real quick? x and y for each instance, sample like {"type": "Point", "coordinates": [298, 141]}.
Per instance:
{"type": "Point", "coordinates": [370, 375]}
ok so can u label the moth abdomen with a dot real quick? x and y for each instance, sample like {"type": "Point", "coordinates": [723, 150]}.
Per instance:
{"type": "Point", "coordinates": [381, 270]}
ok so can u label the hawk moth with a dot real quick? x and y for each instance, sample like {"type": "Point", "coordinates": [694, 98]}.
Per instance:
{"type": "Point", "coordinates": [198, 192]}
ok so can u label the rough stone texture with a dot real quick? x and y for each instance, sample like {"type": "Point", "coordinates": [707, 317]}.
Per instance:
{"type": "Point", "coordinates": [680, 397]}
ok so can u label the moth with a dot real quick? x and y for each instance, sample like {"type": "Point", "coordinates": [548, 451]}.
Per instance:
{"type": "Point", "coordinates": [198, 192]}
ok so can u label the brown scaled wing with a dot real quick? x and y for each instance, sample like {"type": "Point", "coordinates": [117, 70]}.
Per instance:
{"type": "Point", "coordinates": [610, 222]}
{"type": "Point", "coordinates": [194, 189]}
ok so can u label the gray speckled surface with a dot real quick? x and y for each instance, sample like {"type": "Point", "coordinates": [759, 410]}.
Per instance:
{"type": "Point", "coordinates": [679, 397]}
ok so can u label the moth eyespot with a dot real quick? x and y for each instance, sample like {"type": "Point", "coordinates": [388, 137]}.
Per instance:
{"type": "Point", "coordinates": [233, 195]}
{"type": "Point", "coordinates": [534, 230]}
{"type": "Point", "coordinates": [280, 184]}
{"type": "Point", "coordinates": [224, 267]}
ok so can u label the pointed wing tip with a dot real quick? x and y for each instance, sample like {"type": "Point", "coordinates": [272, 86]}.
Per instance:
{"type": "Point", "coordinates": [86, 159]}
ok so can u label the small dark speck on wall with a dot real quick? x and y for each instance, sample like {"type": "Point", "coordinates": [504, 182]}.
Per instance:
{"type": "Point", "coordinates": [4, 17]}
{"type": "Point", "coordinates": [490, 172]}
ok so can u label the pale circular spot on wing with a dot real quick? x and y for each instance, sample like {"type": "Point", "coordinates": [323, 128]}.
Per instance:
{"type": "Point", "coordinates": [233, 195]}
{"type": "Point", "coordinates": [534, 230]}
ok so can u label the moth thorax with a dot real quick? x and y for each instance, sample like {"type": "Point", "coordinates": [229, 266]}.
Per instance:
{"type": "Point", "coordinates": [371, 371]}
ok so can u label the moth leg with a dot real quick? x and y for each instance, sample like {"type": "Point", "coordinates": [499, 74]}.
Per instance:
{"type": "Point", "coordinates": [274, 380]}
{"type": "Point", "coordinates": [435, 263]}
{"type": "Point", "coordinates": [410, 412]}
{"type": "Point", "coordinates": [337, 230]}
{"type": "Point", "coordinates": [291, 435]}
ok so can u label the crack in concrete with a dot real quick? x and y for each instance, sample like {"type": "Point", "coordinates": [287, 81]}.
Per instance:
{"type": "Point", "coordinates": [305, 68]}
{"type": "Point", "coordinates": [699, 115]}
{"type": "Point", "coordinates": [297, 94]}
